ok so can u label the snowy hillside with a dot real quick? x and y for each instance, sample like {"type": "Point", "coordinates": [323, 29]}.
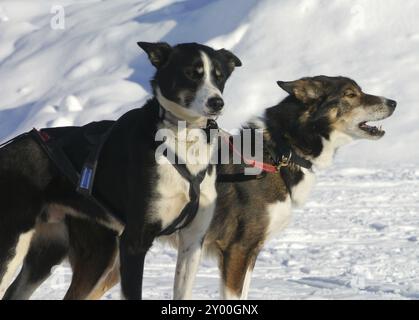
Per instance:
{"type": "Point", "coordinates": [93, 69]}
{"type": "Point", "coordinates": [357, 236]}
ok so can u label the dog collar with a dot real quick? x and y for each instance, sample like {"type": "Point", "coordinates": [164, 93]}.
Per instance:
{"type": "Point", "coordinates": [281, 158]}
{"type": "Point", "coordinates": [173, 118]}
{"type": "Point", "coordinates": [284, 154]}
{"type": "Point", "coordinates": [210, 125]}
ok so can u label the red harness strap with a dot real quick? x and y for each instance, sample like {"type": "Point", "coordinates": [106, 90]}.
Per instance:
{"type": "Point", "coordinates": [45, 136]}
{"type": "Point", "coordinates": [266, 167]}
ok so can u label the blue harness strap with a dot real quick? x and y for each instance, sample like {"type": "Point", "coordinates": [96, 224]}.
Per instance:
{"type": "Point", "coordinates": [86, 179]}
{"type": "Point", "coordinates": [85, 183]}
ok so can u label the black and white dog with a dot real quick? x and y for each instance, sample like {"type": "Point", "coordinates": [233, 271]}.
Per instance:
{"type": "Point", "coordinates": [320, 115]}
{"type": "Point", "coordinates": [144, 189]}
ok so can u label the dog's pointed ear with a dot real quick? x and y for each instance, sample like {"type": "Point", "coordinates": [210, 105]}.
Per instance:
{"type": "Point", "coordinates": [158, 52]}
{"type": "Point", "coordinates": [232, 60]}
{"type": "Point", "coordinates": [286, 86]}
{"type": "Point", "coordinates": [305, 89]}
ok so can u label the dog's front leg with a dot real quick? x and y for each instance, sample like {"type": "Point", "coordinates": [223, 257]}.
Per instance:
{"type": "Point", "coordinates": [190, 248]}
{"type": "Point", "coordinates": [132, 256]}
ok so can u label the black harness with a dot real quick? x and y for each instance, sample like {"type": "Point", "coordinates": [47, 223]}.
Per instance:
{"type": "Point", "coordinates": [84, 181]}
{"type": "Point", "coordinates": [189, 212]}
{"type": "Point", "coordinates": [53, 147]}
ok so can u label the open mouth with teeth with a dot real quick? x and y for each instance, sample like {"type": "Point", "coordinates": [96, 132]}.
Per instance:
{"type": "Point", "coordinates": [371, 130]}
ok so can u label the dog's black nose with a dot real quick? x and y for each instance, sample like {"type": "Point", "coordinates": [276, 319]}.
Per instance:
{"type": "Point", "coordinates": [392, 103]}
{"type": "Point", "coordinates": [215, 103]}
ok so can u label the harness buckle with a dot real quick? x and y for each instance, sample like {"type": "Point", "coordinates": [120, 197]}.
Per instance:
{"type": "Point", "coordinates": [285, 160]}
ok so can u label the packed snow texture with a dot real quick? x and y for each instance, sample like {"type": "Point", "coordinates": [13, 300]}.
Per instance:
{"type": "Point", "coordinates": [357, 237]}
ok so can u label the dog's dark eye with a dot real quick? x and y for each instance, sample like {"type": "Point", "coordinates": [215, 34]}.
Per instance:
{"type": "Point", "coordinates": [350, 94]}
{"type": "Point", "coordinates": [195, 73]}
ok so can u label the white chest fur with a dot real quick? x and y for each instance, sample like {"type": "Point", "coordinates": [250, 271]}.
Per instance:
{"type": "Point", "coordinates": [279, 216]}
{"type": "Point", "coordinates": [336, 140]}
{"type": "Point", "coordinates": [280, 212]}
{"type": "Point", "coordinates": [301, 191]}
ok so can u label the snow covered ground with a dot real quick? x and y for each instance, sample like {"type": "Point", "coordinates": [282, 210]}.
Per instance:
{"type": "Point", "coordinates": [357, 237]}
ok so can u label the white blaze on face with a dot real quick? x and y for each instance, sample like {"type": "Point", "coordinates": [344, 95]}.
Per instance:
{"type": "Point", "coordinates": [207, 89]}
